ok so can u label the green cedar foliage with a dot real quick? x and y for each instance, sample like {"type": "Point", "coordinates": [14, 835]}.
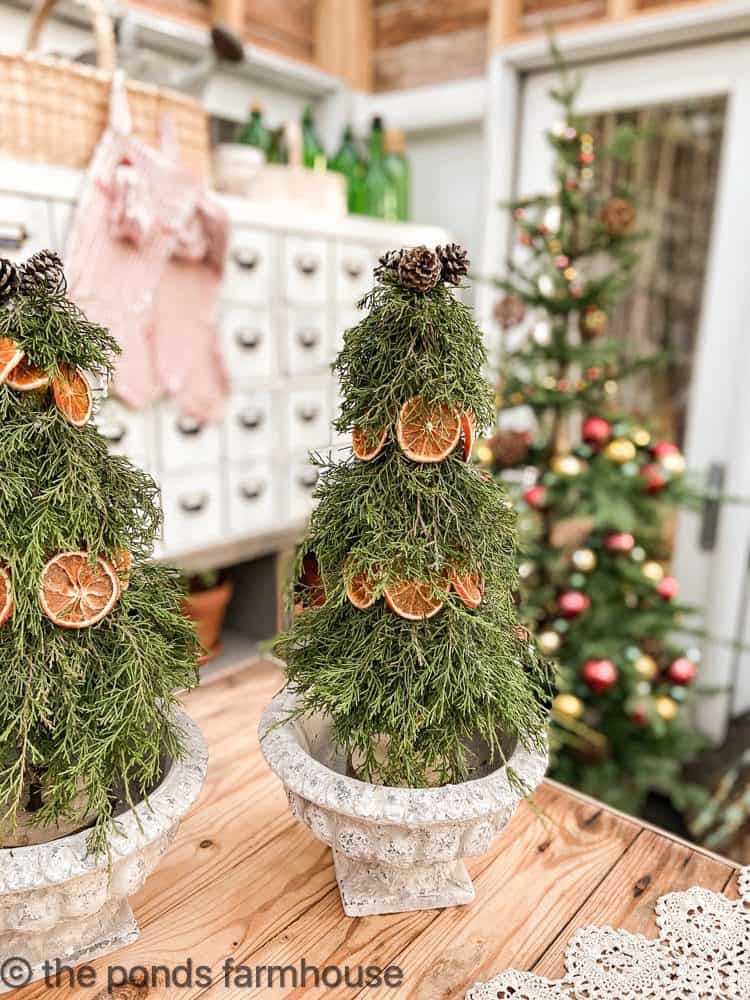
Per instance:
{"type": "Point", "coordinates": [426, 688]}
{"type": "Point", "coordinates": [80, 711]}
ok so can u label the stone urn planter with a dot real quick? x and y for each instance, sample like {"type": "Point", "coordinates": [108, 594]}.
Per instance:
{"type": "Point", "coordinates": [59, 901]}
{"type": "Point", "coordinates": [394, 849]}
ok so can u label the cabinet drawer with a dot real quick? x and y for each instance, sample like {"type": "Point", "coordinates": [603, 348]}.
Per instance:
{"type": "Point", "coordinates": [25, 226]}
{"type": "Point", "coordinates": [184, 442]}
{"type": "Point", "coordinates": [252, 503]}
{"type": "Point", "coordinates": [192, 505]}
{"type": "Point", "coordinates": [353, 272]}
{"type": "Point", "coordinates": [247, 342]}
{"type": "Point", "coordinates": [249, 266]}
{"type": "Point", "coordinates": [250, 427]}
{"type": "Point", "coordinates": [305, 270]}
{"type": "Point", "coordinates": [127, 432]}
{"type": "Point", "coordinates": [301, 482]}
{"type": "Point", "coordinates": [305, 341]}
{"type": "Point", "coordinates": [307, 418]}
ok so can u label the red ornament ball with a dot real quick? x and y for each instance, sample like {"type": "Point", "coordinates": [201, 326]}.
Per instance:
{"type": "Point", "coordinates": [572, 603]}
{"type": "Point", "coordinates": [653, 477]}
{"type": "Point", "coordinates": [536, 497]}
{"type": "Point", "coordinates": [620, 541]}
{"type": "Point", "coordinates": [596, 431]}
{"type": "Point", "coordinates": [639, 716]}
{"type": "Point", "coordinates": [682, 671]}
{"type": "Point", "coordinates": [668, 588]}
{"type": "Point", "coordinates": [661, 448]}
{"type": "Point", "coordinates": [600, 675]}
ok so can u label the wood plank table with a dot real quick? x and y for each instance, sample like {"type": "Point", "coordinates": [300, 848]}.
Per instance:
{"type": "Point", "coordinates": [245, 881]}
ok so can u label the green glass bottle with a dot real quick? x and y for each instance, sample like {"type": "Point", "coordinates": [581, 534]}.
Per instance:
{"type": "Point", "coordinates": [254, 132]}
{"type": "Point", "coordinates": [348, 162]}
{"type": "Point", "coordinates": [397, 168]}
{"type": "Point", "coordinates": [381, 192]}
{"type": "Point", "coordinates": [313, 154]}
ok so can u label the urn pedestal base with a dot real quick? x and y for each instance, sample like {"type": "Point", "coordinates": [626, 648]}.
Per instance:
{"type": "Point", "coordinates": [370, 887]}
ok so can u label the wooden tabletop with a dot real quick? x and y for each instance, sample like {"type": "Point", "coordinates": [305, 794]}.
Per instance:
{"type": "Point", "coordinates": [245, 880]}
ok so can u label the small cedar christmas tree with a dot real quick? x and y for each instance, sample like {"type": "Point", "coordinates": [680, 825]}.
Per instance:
{"type": "Point", "coordinates": [93, 643]}
{"type": "Point", "coordinates": [408, 634]}
{"type": "Point", "coordinates": [594, 523]}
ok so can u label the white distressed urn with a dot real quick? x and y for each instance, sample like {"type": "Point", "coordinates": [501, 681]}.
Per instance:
{"type": "Point", "coordinates": [58, 901]}
{"type": "Point", "coordinates": [394, 849]}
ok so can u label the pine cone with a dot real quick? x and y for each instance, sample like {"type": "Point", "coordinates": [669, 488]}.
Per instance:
{"type": "Point", "coordinates": [43, 268]}
{"type": "Point", "coordinates": [419, 269]}
{"type": "Point", "coordinates": [454, 261]}
{"type": "Point", "coordinates": [8, 279]}
{"type": "Point", "coordinates": [509, 447]}
{"type": "Point", "coordinates": [509, 311]}
{"type": "Point", "coordinates": [618, 216]}
{"type": "Point", "coordinates": [387, 264]}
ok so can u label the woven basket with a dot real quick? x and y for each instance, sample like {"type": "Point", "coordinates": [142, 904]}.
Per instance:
{"type": "Point", "coordinates": [55, 111]}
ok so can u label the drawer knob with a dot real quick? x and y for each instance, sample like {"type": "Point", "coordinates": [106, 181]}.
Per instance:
{"type": "Point", "coordinates": [308, 412]}
{"type": "Point", "coordinates": [194, 503]}
{"type": "Point", "coordinates": [308, 478]}
{"type": "Point", "coordinates": [248, 338]}
{"type": "Point", "coordinates": [353, 268]}
{"type": "Point", "coordinates": [307, 264]}
{"type": "Point", "coordinates": [13, 235]}
{"type": "Point", "coordinates": [308, 337]}
{"type": "Point", "coordinates": [113, 432]}
{"type": "Point", "coordinates": [246, 258]}
{"type": "Point", "coordinates": [189, 426]}
{"type": "Point", "coordinates": [250, 420]}
{"type": "Point", "coordinates": [252, 490]}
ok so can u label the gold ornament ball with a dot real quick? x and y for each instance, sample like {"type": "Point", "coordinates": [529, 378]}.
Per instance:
{"type": "Point", "coordinates": [640, 437]}
{"type": "Point", "coordinates": [666, 708]}
{"type": "Point", "coordinates": [620, 450]}
{"type": "Point", "coordinates": [548, 642]}
{"type": "Point", "coordinates": [567, 465]}
{"type": "Point", "coordinates": [674, 462]}
{"type": "Point", "coordinates": [646, 667]}
{"type": "Point", "coordinates": [568, 705]}
{"type": "Point", "coordinates": [584, 560]}
{"type": "Point", "coordinates": [484, 453]}
{"type": "Point", "coordinates": [652, 570]}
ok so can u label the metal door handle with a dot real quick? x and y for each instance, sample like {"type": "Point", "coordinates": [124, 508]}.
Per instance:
{"type": "Point", "coordinates": [248, 338]}
{"type": "Point", "coordinates": [712, 506]}
{"type": "Point", "coordinates": [13, 235]}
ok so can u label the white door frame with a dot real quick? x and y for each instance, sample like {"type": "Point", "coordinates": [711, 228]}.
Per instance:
{"type": "Point", "coordinates": [716, 579]}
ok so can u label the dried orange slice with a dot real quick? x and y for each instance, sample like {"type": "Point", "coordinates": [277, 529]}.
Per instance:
{"type": "Point", "coordinates": [6, 594]}
{"type": "Point", "coordinates": [122, 562]}
{"type": "Point", "coordinates": [73, 395]}
{"type": "Point", "coordinates": [413, 600]}
{"type": "Point", "coordinates": [469, 587]}
{"type": "Point", "coordinates": [75, 593]}
{"type": "Point", "coordinates": [314, 592]}
{"type": "Point", "coordinates": [361, 590]}
{"type": "Point", "coordinates": [10, 355]}
{"type": "Point", "coordinates": [26, 377]}
{"type": "Point", "coordinates": [368, 444]}
{"type": "Point", "coordinates": [468, 430]}
{"type": "Point", "coordinates": [428, 432]}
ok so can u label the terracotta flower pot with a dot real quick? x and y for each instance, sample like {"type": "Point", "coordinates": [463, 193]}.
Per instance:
{"type": "Point", "coordinates": [208, 609]}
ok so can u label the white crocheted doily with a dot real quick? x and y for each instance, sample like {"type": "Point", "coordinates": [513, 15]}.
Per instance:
{"type": "Point", "coordinates": [702, 953]}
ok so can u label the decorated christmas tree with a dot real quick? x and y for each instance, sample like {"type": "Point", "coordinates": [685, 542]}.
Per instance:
{"type": "Point", "coordinates": [93, 644]}
{"type": "Point", "coordinates": [407, 634]}
{"type": "Point", "coordinates": [599, 489]}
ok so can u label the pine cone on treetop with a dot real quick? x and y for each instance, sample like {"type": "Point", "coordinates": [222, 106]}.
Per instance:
{"type": "Point", "coordinates": [509, 447]}
{"type": "Point", "coordinates": [419, 269]}
{"type": "Point", "coordinates": [8, 279]}
{"type": "Point", "coordinates": [454, 261]}
{"type": "Point", "coordinates": [387, 263]}
{"type": "Point", "coordinates": [618, 216]}
{"type": "Point", "coordinates": [43, 268]}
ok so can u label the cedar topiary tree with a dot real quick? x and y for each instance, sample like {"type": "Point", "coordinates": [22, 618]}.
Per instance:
{"type": "Point", "coordinates": [407, 634]}
{"type": "Point", "coordinates": [93, 643]}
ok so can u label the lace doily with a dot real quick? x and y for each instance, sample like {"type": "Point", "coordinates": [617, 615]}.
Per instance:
{"type": "Point", "coordinates": [702, 953]}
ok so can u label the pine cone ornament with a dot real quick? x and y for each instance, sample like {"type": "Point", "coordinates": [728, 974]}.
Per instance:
{"type": "Point", "coordinates": [8, 279]}
{"type": "Point", "coordinates": [454, 261]}
{"type": "Point", "coordinates": [43, 268]}
{"type": "Point", "coordinates": [509, 311]}
{"type": "Point", "coordinates": [509, 447]}
{"type": "Point", "coordinates": [387, 264]}
{"type": "Point", "coordinates": [419, 269]}
{"type": "Point", "coordinates": [618, 216]}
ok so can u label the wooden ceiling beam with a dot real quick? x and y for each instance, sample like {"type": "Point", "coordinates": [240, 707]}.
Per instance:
{"type": "Point", "coordinates": [344, 41]}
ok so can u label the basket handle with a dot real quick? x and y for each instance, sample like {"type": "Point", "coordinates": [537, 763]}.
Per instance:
{"type": "Point", "coordinates": [106, 52]}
